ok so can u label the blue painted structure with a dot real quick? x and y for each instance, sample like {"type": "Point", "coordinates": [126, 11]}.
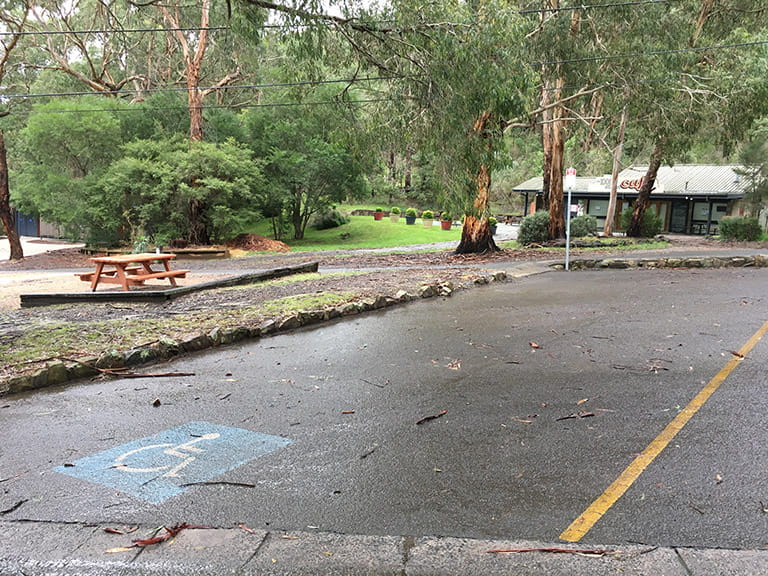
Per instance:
{"type": "Point", "coordinates": [156, 468]}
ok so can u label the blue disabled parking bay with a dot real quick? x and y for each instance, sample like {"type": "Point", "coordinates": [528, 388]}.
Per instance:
{"type": "Point", "coordinates": [163, 465]}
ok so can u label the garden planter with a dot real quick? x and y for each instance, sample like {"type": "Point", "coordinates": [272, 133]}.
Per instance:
{"type": "Point", "coordinates": [446, 224]}
{"type": "Point", "coordinates": [378, 215]}
{"type": "Point", "coordinates": [394, 217]}
{"type": "Point", "coordinates": [427, 222]}
{"type": "Point", "coordinates": [410, 219]}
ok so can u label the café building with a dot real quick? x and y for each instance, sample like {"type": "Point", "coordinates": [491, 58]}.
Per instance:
{"type": "Point", "coordinates": [689, 198]}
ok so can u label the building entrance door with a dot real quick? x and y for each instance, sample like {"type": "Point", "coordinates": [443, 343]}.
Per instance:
{"type": "Point", "coordinates": [678, 217]}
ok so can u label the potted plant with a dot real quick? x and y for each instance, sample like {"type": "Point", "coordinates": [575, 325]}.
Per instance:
{"type": "Point", "coordinates": [427, 217]}
{"type": "Point", "coordinates": [394, 214]}
{"type": "Point", "coordinates": [446, 220]}
{"type": "Point", "coordinates": [378, 213]}
{"type": "Point", "coordinates": [410, 216]}
{"type": "Point", "coordinates": [492, 222]}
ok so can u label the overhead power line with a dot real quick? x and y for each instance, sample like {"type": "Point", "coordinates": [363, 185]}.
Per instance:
{"type": "Point", "coordinates": [218, 106]}
{"type": "Point", "coordinates": [653, 53]}
{"type": "Point", "coordinates": [591, 6]}
{"type": "Point", "coordinates": [282, 26]}
{"type": "Point", "coordinates": [211, 88]}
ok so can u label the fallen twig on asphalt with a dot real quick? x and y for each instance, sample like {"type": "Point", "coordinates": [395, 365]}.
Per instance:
{"type": "Point", "coordinates": [581, 414]}
{"type": "Point", "coordinates": [433, 417]}
{"type": "Point", "coordinates": [13, 508]}
{"type": "Point", "coordinates": [580, 552]}
{"type": "Point", "coordinates": [219, 482]}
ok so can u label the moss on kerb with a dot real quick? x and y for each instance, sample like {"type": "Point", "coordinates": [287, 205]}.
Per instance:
{"type": "Point", "coordinates": [60, 371]}
{"type": "Point", "coordinates": [758, 261]}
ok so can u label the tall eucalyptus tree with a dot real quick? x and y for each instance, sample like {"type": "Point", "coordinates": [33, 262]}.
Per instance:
{"type": "Point", "coordinates": [455, 74]}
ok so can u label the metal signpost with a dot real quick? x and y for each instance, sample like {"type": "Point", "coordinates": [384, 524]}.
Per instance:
{"type": "Point", "coordinates": [570, 183]}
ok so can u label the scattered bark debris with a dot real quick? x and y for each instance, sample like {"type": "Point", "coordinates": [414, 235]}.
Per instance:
{"type": "Point", "coordinates": [736, 353]}
{"type": "Point", "coordinates": [433, 417]}
{"type": "Point", "coordinates": [699, 510]}
{"type": "Point", "coordinates": [533, 345]}
{"type": "Point", "coordinates": [156, 402]}
{"type": "Point", "coordinates": [367, 453]}
{"type": "Point", "coordinates": [454, 365]}
{"type": "Point", "coordinates": [579, 414]}
{"type": "Point", "coordinates": [374, 383]}
{"type": "Point", "coordinates": [19, 475]}
{"type": "Point", "coordinates": [13, 508]}
{"type": "Point", "coordinates": [579, 552]}
{"type": "Point", "coordinates": [157, 538]}
{"type": "Point", "coordinates": [347, 411]}
{"type": "Point", "coordinates": [244, 527]}
{"type": "Point", "coordinates": [110, 530]}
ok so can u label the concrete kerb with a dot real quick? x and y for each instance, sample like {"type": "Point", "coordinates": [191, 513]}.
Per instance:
{"type": "Point", "coordinates": [117, 362]}
{"type": "Point", "coordinates": [756, 260]}
{"type": "Point", "coordinates": [91, 549]}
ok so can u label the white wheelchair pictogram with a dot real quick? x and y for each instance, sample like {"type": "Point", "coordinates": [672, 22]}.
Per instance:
{"type": "Point", "coordinates": [183, 451]}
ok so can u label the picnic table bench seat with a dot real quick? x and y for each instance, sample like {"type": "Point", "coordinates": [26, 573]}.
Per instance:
{"type": "Point", "coordinates": [137, 278]}
{"type": "Point", "coordinates": [88, 276]}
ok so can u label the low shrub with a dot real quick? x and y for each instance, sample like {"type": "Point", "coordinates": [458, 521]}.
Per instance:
{"type": "Point", "coordinates": [428, 215]}
{"type": "Point", "coordinates": [534, 229]}
{"type": "Point", "coordinates": [740, 228]}
{"type": "Point", "coordinates": [585, 225]}
{"type": "Point", "coordinates": [649, 227]}
{"type": "Point", "coordinates": [329, 219]}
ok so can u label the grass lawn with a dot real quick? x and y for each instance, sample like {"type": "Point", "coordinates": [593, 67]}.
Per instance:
{"type": "Point", "coordinates": [365, 232]}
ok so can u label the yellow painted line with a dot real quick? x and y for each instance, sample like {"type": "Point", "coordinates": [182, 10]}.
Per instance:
{"type": "Point", "coordinates": [584, 523]}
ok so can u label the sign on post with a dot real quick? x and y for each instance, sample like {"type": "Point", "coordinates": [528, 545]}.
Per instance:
{"type": "Point", "coordinates": [570, 184]}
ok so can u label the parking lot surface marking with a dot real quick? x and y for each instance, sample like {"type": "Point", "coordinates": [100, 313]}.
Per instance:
{"type": "Point", "coordinates": [584, 523]}
{"type": "Point", "coordinates": [158, 467]}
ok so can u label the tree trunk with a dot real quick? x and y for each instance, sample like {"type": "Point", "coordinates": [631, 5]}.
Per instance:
{"type": "Point", "coordinates": [553, 160]}
{"type": "Point", "coordinates": [546, 141]}
{"type": "Point", "coordinates": [298, 229]}
{"type": "Point", "coordinates": [610, 214]}
{"type": "Point", "coordinates": [644, 196]}
{"type": "Point", "coordinates": [408, 178]}
{"type": "Point", "coordinates": [476, 236]}
{"type": "Point", "coordinates": [195, 102]}
{"type": "Point", "coordinates": [6, 215]}
{"type": "Point", "coordinates": [556, 212]}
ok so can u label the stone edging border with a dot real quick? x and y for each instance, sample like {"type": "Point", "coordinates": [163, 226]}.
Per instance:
{"type": "Point", "coordinates": [756, 261]}
{"type": "Point", "coordinates": [113, 362]}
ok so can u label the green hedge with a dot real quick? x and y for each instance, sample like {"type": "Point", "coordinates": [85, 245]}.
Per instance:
{"type": "Point", "coordinates": [740, 228]}
{"type": "Point", "coordinates": [534, 229]}
{"type": "Point", "coordinates": [585, 225]}
{"type": "Point", "coordinates": [649, 227]}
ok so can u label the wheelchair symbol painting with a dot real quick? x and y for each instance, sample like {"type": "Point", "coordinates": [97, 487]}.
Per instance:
{"type": "Point", "coordinates": [161, 466]}
{"type": "Point", "coordinates": [183, 451]}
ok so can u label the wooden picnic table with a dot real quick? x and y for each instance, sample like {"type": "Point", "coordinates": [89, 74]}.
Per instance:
{"type": "Point", "coordinates": [130, 270]}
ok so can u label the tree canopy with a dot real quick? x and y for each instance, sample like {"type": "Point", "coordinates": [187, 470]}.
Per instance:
{"type": "Point", "coordinates": [231, 111]}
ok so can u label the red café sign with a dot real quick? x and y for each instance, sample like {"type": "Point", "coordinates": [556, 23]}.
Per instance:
{"type": "Point", "coordinates": [636, 184]}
